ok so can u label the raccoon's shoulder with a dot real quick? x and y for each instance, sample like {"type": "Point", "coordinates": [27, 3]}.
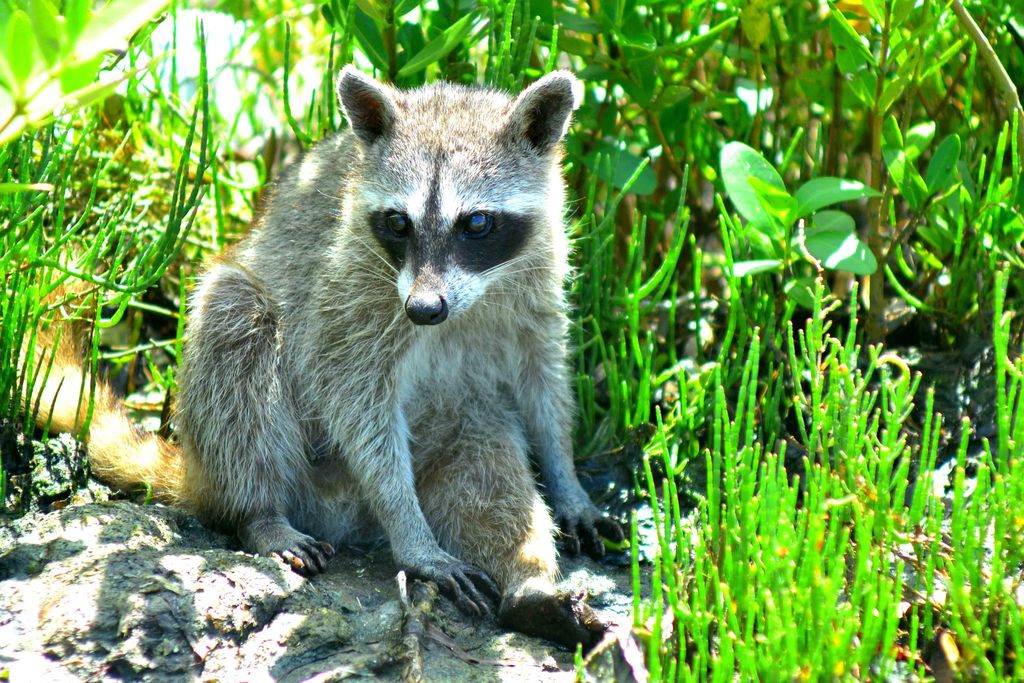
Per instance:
{"type": "Point", "coordinates": [300, 211]}
{"type": "Point", "coordinates": [316, 180]}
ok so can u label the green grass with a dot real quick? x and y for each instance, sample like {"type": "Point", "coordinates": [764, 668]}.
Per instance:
{"type": "Point", "coordinates": [791, 440]}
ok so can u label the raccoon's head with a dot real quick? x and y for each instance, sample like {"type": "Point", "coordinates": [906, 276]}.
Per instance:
{"type": "Point", "coordinates": [461, 187]}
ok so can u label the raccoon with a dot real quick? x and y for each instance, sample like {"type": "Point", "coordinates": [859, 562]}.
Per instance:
{"type": "Point", "coordinates": [385, 355]}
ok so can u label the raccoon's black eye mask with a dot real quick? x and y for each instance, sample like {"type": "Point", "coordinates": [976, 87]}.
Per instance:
{"type": "Point", "coordinates": [481, 241]}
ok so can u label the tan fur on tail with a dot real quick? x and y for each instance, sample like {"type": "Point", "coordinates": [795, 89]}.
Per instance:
{"type": "Point", "coordinates": [119, 454]}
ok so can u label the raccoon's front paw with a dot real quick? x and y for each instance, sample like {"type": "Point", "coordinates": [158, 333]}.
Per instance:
{"type": "Point", "coordinates": [307, 556]}
{"type": "Point", "coordinates": [582, 526]}
{"type": "Point", "coordinates": [461, 582]}
{"type": "Point", "coordinates": [273, 536]}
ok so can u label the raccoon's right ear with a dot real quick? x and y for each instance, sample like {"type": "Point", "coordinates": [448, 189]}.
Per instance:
{"type": "Point", "coordinates": [369, 106]}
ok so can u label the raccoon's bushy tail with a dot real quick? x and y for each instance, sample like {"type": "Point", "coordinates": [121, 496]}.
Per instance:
{"type": "Point", "coordinates": [119, 454]}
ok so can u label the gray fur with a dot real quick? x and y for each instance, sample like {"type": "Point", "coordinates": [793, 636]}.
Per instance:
{"type": "Point", "coordinates": [311, 408]}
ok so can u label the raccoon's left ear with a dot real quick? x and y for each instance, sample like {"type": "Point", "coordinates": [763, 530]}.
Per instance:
{"type": "Point", "coordinates": [541, 113]}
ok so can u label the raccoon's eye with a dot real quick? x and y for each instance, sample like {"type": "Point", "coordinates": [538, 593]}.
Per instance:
{"type": "Point", "coordinates": [398, 223]}
{"type": "Point", "coordinates": [479, 224]}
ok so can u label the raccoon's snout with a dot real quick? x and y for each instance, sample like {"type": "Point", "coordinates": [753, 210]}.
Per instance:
{"type": "Point", "coordinates": [426, 309]}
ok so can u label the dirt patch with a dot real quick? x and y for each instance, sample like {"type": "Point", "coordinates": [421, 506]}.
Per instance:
{"type": "Point", "coordinates": [125, 591]}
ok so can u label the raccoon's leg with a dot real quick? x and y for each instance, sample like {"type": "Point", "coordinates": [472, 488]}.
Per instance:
{"type": "Point", "coordinates": [243, 448]}
{"type": "Point", "coordinates": [543, 395]}
{"type": "Point", "coordinates": [480, 497]}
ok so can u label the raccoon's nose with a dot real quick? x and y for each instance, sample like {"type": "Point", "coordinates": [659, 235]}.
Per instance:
{"type": "Point", "coordinates": [426, 309]}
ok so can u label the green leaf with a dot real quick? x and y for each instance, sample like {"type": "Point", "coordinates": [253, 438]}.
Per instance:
{"type": "Point", "coordinates": [918, 139]}
{"type": "Point", "coordinates": [905, 175]}
{"type": "Point", "coordinates": [75, 76]}
{"type": "Point", "coordinates": [623, 164]}
{"type": "Point", "coordinates": [841, 250]}
{"type": "Point", "coordinates": [777, 202]}
{"type": "Point", "coordinates": [370, 41]}
{"type": "Point", "coordinates": [875, 11]}
{"type": "Point", "coordinates": [891, 134]}
{"type": "Point", "coordinates": [642, 40]}
{"type": "Point", "coordinates": [440, 46]}
{"type": "Point", "coordinates": [405, 6]}
{"type": "Point", "coordinates": [838, 221]}
{"type": "Point", "coordinates": [48, 32]}
{"type": "Point", "coordinates": [371, 9]}
{"type": "Point", "coordinates": [943, 163]}
{"type": "Point", "coordinates": [325, 10]}
{"type": "Point", "coordinates": [21, 47]}
{"type": "Point", "coordinates": [801, 290]}
{"type": "Point", "coordinates": [578, 23]}
{"type": "Point", "coordinates": [852, 54]}
{"type": "Point", "coordinates": [76, 16]}
{"type": "Point", "coordinates": [743, 268]}
{"type": "Point", "coordinates": [821, 192]}
{"type": "Point", "coordinates": [890, 93]}
{"type": "Point", "coordinates": [738, 164]}
{"type": "Point", "coordinates": [113, 24]}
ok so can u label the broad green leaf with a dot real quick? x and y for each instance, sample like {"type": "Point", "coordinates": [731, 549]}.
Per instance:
{"type": "Point", "coordinates": [756, 23]}
{"type": "Point", "coordinates": [836, 221]}
{"type": "Point", "coordinates": [875, 11]}
{"type": "Point", "coordinates": [372, 10]}
{"type": "Point", "coordinates": [578, 23]}
{"type": "Point", "coordinates": [777, 202]}
{"type": "Point", "coordinates": [821, 192]}
{"type": "Point", "coordinates": [7, 80]}
{"type": "Point", "coordinates": [762, 244]}
{"type": "Point", "coordinates": [891, 134]}
{"type": "Point", "coordinates": [49, 35]}
{"type": "Point", "coordinates": [21, 47]}
{"type": "Point", "coordinates": [404, 7]}
{"type": "Point", "coordinates": [900, 11]}
{"type": "Point", "coordinates": [891, 92]}
{"type": "Point", "coordinates": [841, 250]}
{"type": "Point", "coordinates": [75, 76]}
{"type": "Point", "coordinates": [852, 53]}
{"type": "Point", "coordinates": [113, 24]}
{"type": "Point", "coordinates": [76, 16]}
{"type": "Point", "coordinates": [440, 46]}
{"type": "Point", "coordinates": [642, 40]}
{"type": "Point", "coordinates": [623, 164]}
{"type": "Point", "coordinates": [943, 163]}
{"type": "Point", "coordinates": [92, 93]}
{"type": "Point", "coordinates": [328, 14]}
{"type": "Point", "coordinates": [904, 174]}
{"type": "Point", "coordinates": [743, 268]}
{"type": "Point", "coordinates": [370, 41]}
{"type": "Point", "coordinates": [576, 46]}
{"type": "Point", "coordinates": [738, 164]}
{"type": "Point", "coordinates": [918, 139]}
{"type": "Point", "coordinates": [801, 290]}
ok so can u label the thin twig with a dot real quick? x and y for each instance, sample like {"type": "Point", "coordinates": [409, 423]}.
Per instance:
{"type": "Point", "coordinates": [1008, 97]}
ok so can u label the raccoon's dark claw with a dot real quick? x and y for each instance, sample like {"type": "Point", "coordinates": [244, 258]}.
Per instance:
{"type": "Point", "coordinates": [462, 583]}
{"type": "Point", "coordinates": [308, 557]}
{"type": "Point", "coordinates": [584, 530]}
